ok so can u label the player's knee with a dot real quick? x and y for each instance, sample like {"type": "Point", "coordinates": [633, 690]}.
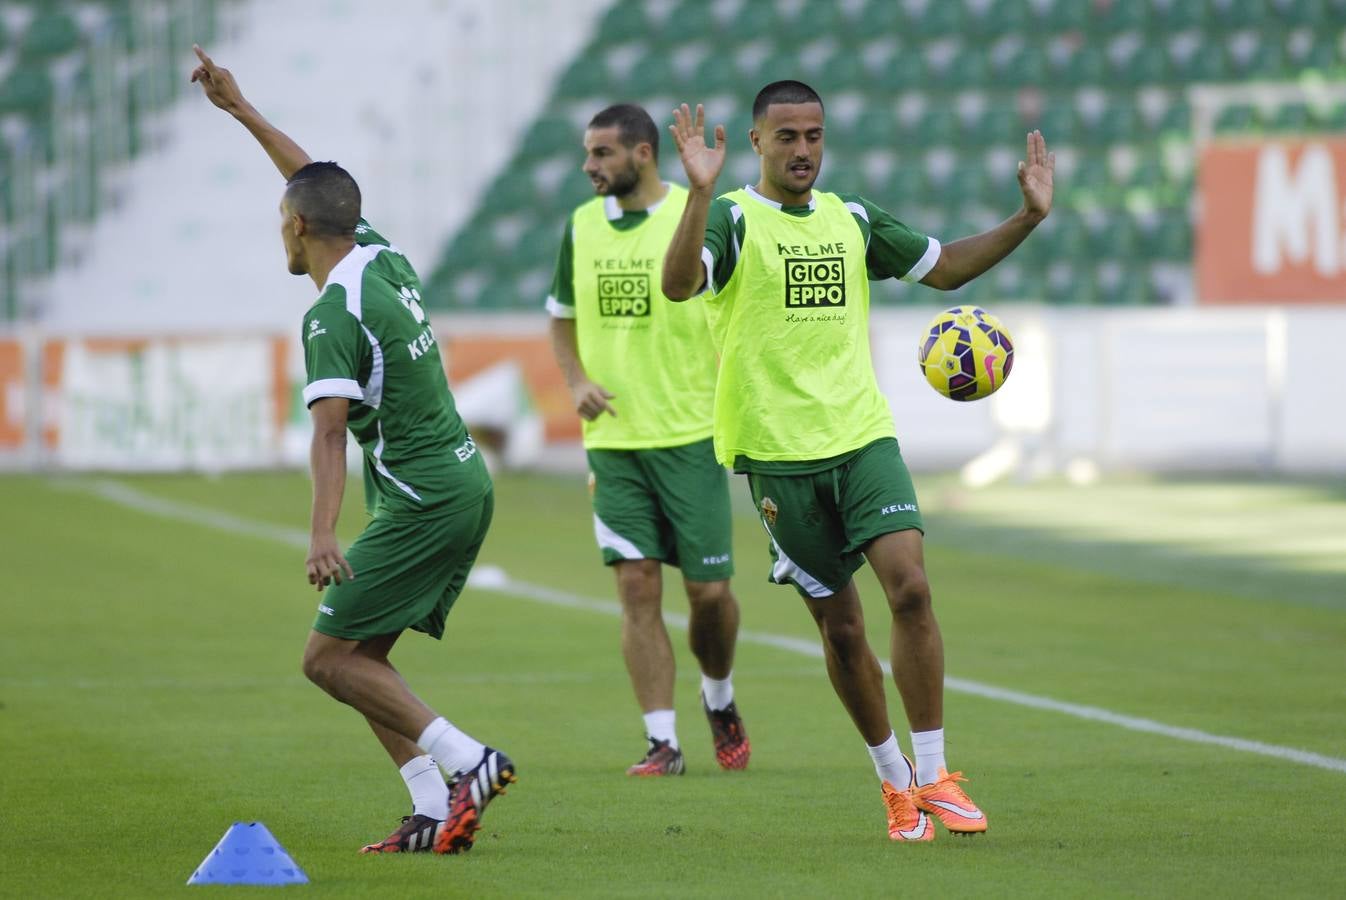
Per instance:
{"type": "Point", "coordinates": [318, 669]}
{"type": "Point", "coordinates": [909, 594]}
{"type": "Point", "coordinates": [845, 637]}
{"type": "Point", "coordinates": [709, 593]}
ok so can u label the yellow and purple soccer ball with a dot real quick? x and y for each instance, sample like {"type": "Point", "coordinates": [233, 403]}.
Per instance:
{"type": "Point", "coordinates": [965, 353]}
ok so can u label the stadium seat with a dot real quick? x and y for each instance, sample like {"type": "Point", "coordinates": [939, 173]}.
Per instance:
{"type": "Point", "coordinates": [1241, 118]}
{"type": "Point", "coordinates": [1170, 16]}
{"type": "Point", "coordinates": [624, 23]}
{"type": "Point", "coordinates": [1292, 118]}
{"type": "Point", "coordinates": [1063, 15]}
{"type": "Point", "coordinates": [52, 33]}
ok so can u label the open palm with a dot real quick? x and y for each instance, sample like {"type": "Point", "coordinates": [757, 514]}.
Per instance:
{"type": "Point", "coordinates": [702, 163]}
{"type": "Point", "coordinates": [1036, 175]}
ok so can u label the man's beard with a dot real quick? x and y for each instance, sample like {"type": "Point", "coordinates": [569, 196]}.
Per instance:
{"type": "Point", "coordinates": [623, 183]}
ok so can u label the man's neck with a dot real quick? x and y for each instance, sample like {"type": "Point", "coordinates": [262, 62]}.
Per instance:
{"type": "Point", "coordinates": [323, 257]}
{"type": "Point", "coordinates": [784, 198]}
{"type": "Point", "coordinates": [648, 192]}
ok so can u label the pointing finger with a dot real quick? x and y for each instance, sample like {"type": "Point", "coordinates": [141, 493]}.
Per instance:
{"type": "Point", "coordinates": [201, 55]}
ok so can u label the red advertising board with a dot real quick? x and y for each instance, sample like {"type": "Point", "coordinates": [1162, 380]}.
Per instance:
{"type": "Point", "coordinates": [1272, 224]}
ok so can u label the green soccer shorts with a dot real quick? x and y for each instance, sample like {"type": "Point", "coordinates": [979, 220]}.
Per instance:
{"type": "Point", "coordinates": [409, 570]}
{"type": "Point", "coordinates": [820, 523]}
{"type": "Point", "coordinates": [668, 503]}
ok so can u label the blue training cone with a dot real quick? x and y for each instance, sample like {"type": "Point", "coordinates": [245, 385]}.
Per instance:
{"type": "Point", "coordinates": [248, 854]}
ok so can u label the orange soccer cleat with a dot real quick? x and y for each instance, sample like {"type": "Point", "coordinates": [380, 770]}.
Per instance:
{"type": "Point", "coordinates": [945, 800]}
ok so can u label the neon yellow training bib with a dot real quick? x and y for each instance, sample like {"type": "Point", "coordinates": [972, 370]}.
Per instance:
{"type": "Point", "coordinates": [655, 355]}
{"type": "Point", "coordinates": [792, 326]}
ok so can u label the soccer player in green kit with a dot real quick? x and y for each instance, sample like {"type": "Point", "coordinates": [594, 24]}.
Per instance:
{"type": "Point", "coordinates": [373, 368]}
{"type": "Point", "coordinates": [786, 269]}
{"type": "Point", "coordinates": [642, 373]}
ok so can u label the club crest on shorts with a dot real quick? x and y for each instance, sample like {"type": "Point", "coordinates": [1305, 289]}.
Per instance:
{"type": "Point", "coordinates": [769, 510]}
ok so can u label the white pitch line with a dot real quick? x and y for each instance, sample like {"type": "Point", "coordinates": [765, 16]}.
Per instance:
{"type": "Point", "coordinates": [494, 579]}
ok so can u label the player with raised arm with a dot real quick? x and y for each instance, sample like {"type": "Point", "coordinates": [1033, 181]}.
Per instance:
{"type": "Point", "coordinates": [786, 272]}
{"type": "Point", "coordinates": [373, 368]}
{"type": "Point", "coordinates": [642, 373]}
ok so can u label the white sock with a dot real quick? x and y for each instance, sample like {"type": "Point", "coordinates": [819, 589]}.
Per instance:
{"type": "Point", "coordinates": [717, 692]}
{"type": "Point", "coordinates": [452, 749]}
{"type": "Point", "coordinates": [659, 725]}
{"type": "Point", "coordinates": [429, 793]}
{"type": "Point", "coordinates": [890, 765]}
{"type": "Point", "coordinates": [929, 749]}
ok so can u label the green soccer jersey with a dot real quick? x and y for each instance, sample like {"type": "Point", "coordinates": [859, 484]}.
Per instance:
{"type": "Point", "coordinates": [655, 356]}
{"type": "Point", "coordinates": [367, 339]}
{"type": "Point", "coordinates": [790, 303]}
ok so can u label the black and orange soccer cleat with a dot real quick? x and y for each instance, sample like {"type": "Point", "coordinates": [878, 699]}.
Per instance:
{"type": "Point", "coordinates": [732, 747]}
{"type": "Point", "coordinates": [661, 759]}
{"type": "Point", "coordinates": [416, 835]}
{"type": "Point", "coordinates": [469, 795]}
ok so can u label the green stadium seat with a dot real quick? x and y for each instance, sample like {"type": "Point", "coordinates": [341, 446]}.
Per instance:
{"type": "Point", "coordinates": [1030, 66]}
{"type": "Point", "coordinates": [552, 135]}
{"type": "Point", "coordinates": [1241, 118]}
{"type": "Point", "coordinates": [939, 126]}
{"type": "Point", "coordinates": [876, 129]}
{"type": "Point", "coordinates": [1119, 16]}
{"type": "Point", "coordinates": [940, 19]}
{"type": "Point", "coordinates": [624, 23]}
{"type": "Point", "coordinates": [905, 188]}
{"type": "Point", "coordinates": [1130, 288]}
{"type": "Point", "coordinates": [844, 70]}
{"type": "Point", "coordinates": [1057, 123]}
{"type": "Point", "coordinates": [904, 72]}
{"type": "Point", "coordinates": [51, 33]}
{"type": "Point", "coordinates": [1266, 61]}
{"type": "Point", "coordinates": [999, 126]}
{"type": "Point", "coordinates": [1323, 55]}
{"type": "Point", "coordinates": [1003, 17]}
{"type": "Point", "coordinates": [1242, 14]}
{"type": "Point", "coordinates": [1292, 118]}
{"type": "Point", "coordinates": [1086, 66]}
{"type": "Point", "coordinates": [1176, 121]}
{"type": "Point", "coordinates": [1170, 238]}
{"type": "Point", "coordinates": [1120, 122]}
{"type": "Point", "coordinates": [1300, 12]}
{"type": "Point", "coordinates": [1335, 119]}
{"type": "Point", "coordinates": [1207, 63]}
{"type": "Point", "coordinates": [654, 76]}
{"type": "Point", "coordinates": [1148, 65]}
{"type": "Point", "coordinates": [970, 69]}
{"type": "Point", "coordinates": [586, 77]}
{"type": "Point", "coordinates": [1064, 15]}
{"type": "Point", "coordinates": [1169, 16]}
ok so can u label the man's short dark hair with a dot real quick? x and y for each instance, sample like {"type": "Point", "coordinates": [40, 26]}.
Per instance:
{"type": "Point", "coordinates": [783, 92]}
{"type": "Point", "coordinates": [327, 197]}
{"type": "Point", "coordinates": [634, 125]}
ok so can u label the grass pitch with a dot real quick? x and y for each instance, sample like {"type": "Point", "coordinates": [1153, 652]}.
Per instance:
{"type": "Point", "coordinates": [149, 676]}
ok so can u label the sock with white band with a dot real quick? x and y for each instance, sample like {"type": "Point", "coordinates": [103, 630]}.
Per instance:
{"type": "Point", "coordinates": [429, 793]}
{"type": "Point", "coordinates": [659, 725]}
{"type": "Point", "coordinates": [890, 765]}
{"type": "Point", "coordinates": [452, 749]}
{"type": "Point", "coordinates": [928, 746]}
{"type": "Point", "coordinates": [717, 692]}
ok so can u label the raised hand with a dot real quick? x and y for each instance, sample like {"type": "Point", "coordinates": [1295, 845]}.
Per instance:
{"type": "Point", "coordinates": [702, 163]}
{"type": "Point", "coordinates": [1035, 176]}
{"type": "Point", "coordinates": [218, 83]}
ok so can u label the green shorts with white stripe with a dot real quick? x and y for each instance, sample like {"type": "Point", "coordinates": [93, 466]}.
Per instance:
{"type": "Point", "coordinates": [820, 523]}
{"type": "Point", "coordinates": [666, 503]}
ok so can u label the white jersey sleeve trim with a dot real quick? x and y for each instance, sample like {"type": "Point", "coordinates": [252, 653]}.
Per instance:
{"type": "Point", "coordinates": [858, 209]}
{"type": "Point", "coordinates": [558, 309]}
{"type": "Point", "coordinates": [925, 263]}
{"type": "Point", "coordinates": [333, 387]}
{"type": "Point", "coordinates": [708, 265]}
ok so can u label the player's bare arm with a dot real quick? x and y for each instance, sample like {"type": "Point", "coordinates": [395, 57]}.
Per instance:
{"type": "Point", "coordinates": [221, 89]}
{"type": "Point", "coordinates": [683, 273]}
{"type": "Point", "coordinates": [591, 398]}
{"type": "Point", "coordinates": [963, 260]}
{"type": "Point", "coordinates": [327, 458]}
